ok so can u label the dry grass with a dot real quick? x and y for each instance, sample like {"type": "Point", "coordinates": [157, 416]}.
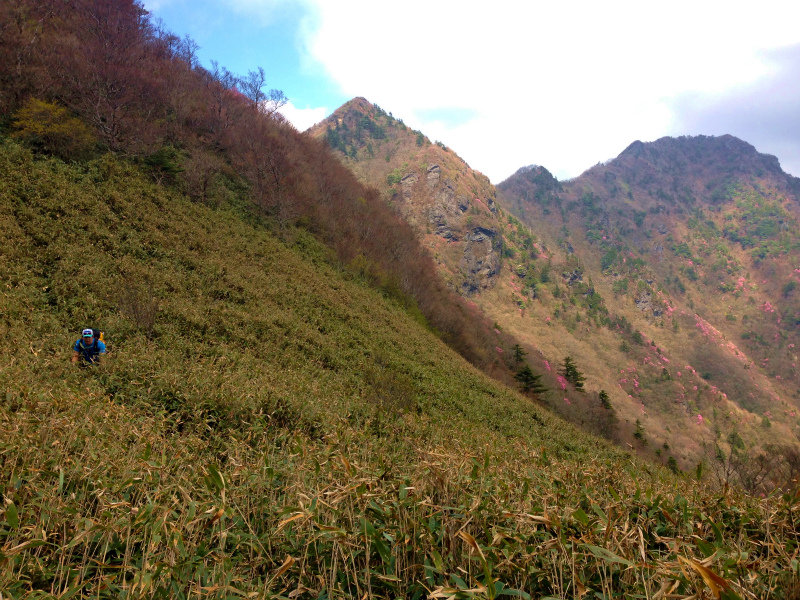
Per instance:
{"type": "Point", "coordinates": [288, 432]}
{"type": "Point", "coordinates": [113, 503]}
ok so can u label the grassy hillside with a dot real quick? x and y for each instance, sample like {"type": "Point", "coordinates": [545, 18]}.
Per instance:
{"type": "Point", "coordinates": [266, 425]}
{"type": "Point", "coordinates": [136, 89]}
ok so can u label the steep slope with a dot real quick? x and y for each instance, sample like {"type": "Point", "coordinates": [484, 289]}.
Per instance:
{"type": "Point", "coordinates": [136, 89]}
{"type": "Point", "coordinates": [261, 413]}
{"type": "Point", "coordinates": [692, 244]}
{"type": "Point", "coordinates": [566, 283]}
{"type": "Point", "coordinates": [450, 205]}
{"type": "Point", "coordinates": [452, 209]}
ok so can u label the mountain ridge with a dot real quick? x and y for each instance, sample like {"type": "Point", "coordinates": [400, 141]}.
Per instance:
{"type": "Point", "coordinates": [624, 210]}
{"type": "Point", "coordinates": [282, 412]}
{"type": "Point", "coordinates": [674, 218]}
{"type": "Point", "coordinates": [451, 206]}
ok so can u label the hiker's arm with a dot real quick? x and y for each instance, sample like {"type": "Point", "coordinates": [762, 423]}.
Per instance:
{"type": "Point", "coordinates": [75, 356]}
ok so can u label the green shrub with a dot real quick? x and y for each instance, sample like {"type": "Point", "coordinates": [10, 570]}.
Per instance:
{"type": "Point", "coordinates": [52, 129]}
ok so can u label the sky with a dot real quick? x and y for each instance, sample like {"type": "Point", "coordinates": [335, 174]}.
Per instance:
{"type": "Point", "coordinates": [506, 83]}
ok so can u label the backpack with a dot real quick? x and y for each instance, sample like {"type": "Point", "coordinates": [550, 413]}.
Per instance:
{"type": "Point", "coordinates": [91, 353]}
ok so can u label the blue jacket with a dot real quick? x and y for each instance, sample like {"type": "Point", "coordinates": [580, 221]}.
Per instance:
{"type": "Point", "coordinates": [92, 352]}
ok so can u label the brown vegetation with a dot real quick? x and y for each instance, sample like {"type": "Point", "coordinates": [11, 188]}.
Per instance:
{"type": "Point", "coordinates": [144, 95]}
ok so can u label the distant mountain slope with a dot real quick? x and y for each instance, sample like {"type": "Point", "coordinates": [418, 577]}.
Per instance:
{"type": "Point", "coordinates": [592, 268]}
{"type": "Point", "coordinates": [450, 205]}
{"type": "Point", "coordinates": [693, 244]}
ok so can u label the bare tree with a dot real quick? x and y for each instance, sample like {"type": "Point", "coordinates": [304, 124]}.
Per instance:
{"type": "Point", "coordinates": [253, 87]}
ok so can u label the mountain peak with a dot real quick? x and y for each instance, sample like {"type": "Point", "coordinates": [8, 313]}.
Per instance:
{"type": "Point", "coordinates": [726, 153]}
{"type": "Point", "coordinates": [451, 205]}
{"type": "Point", "coordinates": [359, 102]}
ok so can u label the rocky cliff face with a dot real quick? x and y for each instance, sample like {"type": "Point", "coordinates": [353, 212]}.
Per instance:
{"type": "Point", "coordinates": [451, 205]}
{"type": "Point", "coordinates": [481, 260]}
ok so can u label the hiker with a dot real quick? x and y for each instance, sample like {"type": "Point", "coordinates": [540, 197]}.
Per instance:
{"type": "Point", "coordinates": [89, 348]}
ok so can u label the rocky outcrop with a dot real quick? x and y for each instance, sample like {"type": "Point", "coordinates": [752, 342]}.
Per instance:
{"type": "Point", "coordinates": [432, 178]}
{"type": "Point", "coordinates": [481, 261]}
{"type": "Point", "coordinates": [438, 219]}
{"type": "Point", "coordinates": [572, 277]}
{"type": "Point", "coordinates": [430, 186]}
{"type": "Point", "coordinates": [446, 194]}
{"type": "Point", "coordinates": [444, 213]}
{"type": "Point", "coordinates": [447, 215]}
{"type": "Point", "coordinates": [644, 301]}
{"type": "Point", "coordinates": [407, 184]}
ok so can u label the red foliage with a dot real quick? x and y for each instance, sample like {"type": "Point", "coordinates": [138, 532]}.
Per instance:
{"type": "Point", "coordinates": [141, 89]}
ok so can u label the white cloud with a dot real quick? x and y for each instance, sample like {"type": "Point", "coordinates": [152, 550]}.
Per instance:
{"type": "Point", "coordinates": [303, 118]}
{"type": "Point", "coordinates": [565, 85]}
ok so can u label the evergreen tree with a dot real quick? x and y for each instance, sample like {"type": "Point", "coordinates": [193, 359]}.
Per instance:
{"type": "Point", "coordinates": [529, 380]}
{"type": "Point", "coordinates": [519, 354]}
{"type": "Point", "coordinates": [570, 372]}
{"type": "Point", "coordinates": [605, 400]}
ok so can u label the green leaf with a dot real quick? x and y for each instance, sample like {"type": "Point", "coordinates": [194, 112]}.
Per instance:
{"type": "Point", "coordinates": [600, 513]}
{"type": "Point", "coordinates": [717, 534]}
{"type": "Point", "coordinates": [513, 592]}
{"type": "Point", "coordinates": [462, 585]}
{"type": "Point", "coordinates": [72, 591]}
{"type": "Point", "coordinates": [383, 549]}
{"type": "Point", "coordinates": [437, 560]}
{"type": "Point", "coordinates": [581, 516]}
{"type": "Point", "coordinates": [475, 470]}
{"type": "Point", "coordinates": [216, 477]}
{"type": "Point", "coordinates": [607, 555]}
{"type": "Point", "coordinates": [12, 516]}
{"type": "Point", "coordinates": [125, 484]}
{"type": "Point", "coordinates": [705, 548]}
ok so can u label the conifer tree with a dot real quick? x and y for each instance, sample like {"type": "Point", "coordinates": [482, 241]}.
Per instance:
{"type": "Point", "coordinates": [519, 354]}
{"type": "Point", "coordinates": [529, 380]}
{"type": "Point", "coordinates": [570, 372]}
{"type": "Point", "coordinates": [605, 400]}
